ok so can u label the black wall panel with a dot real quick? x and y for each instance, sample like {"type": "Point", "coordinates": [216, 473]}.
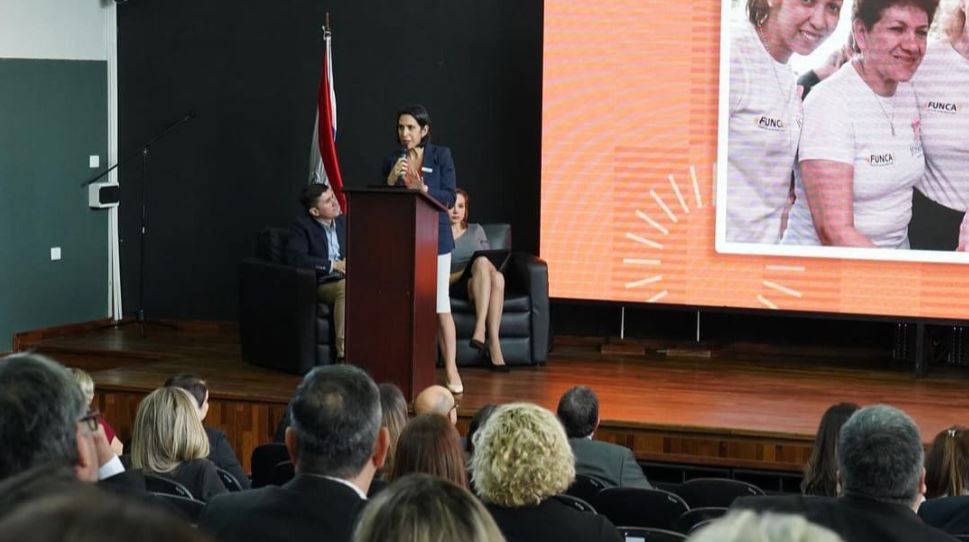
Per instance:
{"type": "Point", "coordinates": [249, 72]}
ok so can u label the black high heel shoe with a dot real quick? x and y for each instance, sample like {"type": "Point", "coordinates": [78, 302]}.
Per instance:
{"type": "Point", "coordinates": [478, 345]}
{"type": "Point", "coordinates": [503, 368]}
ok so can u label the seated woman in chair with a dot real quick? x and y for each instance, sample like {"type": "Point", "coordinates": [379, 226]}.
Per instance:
{"type": "Point", "coordinates": [486, 286]}
{"type": "Point", "coordinates": [168, 440]}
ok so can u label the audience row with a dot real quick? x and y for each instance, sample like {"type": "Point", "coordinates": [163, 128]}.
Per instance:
{"type": "Point", "coordinates": [365, 471]}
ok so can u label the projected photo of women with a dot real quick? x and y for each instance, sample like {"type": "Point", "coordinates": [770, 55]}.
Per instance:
{"type": "Point", "coordinates": [765, 110]}
{"type": "Point", "coordinates": [942, 85]}
{"type": "Point", "coordinates": [861, 151]}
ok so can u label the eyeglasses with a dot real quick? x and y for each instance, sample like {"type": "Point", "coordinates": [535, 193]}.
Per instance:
{"type": "Point", "coordinates": [90, 420]}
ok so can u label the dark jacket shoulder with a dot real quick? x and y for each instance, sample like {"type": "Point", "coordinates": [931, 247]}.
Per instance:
{"type": "Point", "coordinates": [303, 508]}
{"type": "Point", "coordinates": [855, 518]}
{"type": "Point", "coordinates": [224, 457]}
{"type": "Point", "coordinates": [552, 521]}
{"type": "Point", "coordinates": [951, 514]}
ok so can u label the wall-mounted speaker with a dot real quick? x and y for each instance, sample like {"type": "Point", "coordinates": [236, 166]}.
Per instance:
{"type": "Point", "coordinates": [103, 195]}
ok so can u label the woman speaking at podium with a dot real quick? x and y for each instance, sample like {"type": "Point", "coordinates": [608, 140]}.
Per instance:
{"type": "Point", "coordinates": [419, 165]}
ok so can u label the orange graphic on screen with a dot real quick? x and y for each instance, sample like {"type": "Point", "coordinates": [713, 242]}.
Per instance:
{"type": "Point", "coordinates": [629, 152]}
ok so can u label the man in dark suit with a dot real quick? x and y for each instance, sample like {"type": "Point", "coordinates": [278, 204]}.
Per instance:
{"type": "Point", "coordinates": [45, 426]}
{"type": "Point", "coordinates": [336, 443]}
{"type": "Point", "coordinates": [317, 240]}
{"type": "Point", "coordinates": [880, 460]}
{"type": "Point", "coordinates": [220, 451]}
{"type": "Point", "coordinates": [614, 465]}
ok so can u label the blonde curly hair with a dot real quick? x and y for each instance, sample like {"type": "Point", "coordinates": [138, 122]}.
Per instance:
{"type": "Point", "coordinates": [521, 456]}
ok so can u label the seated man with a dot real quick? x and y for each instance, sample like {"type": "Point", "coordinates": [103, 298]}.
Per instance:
{"type": "Point", "coordinates": [220, 451]}
{"type": "Point", "coordinates": [436, 400]}
{"type": "Point", "coordinates": [317, 241]}
{"type": "Point", "coordinates": [50, 439]}
{"type": "Point", "coordinates": [613, 464]}
{"type": "Point", "coordinates": [337, 445]}
{"type": "Point", "coordinates": [880, 460]}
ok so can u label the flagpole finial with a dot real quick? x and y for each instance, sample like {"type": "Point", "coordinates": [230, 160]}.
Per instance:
{"type": "Point", "coordinates": [326, 23]}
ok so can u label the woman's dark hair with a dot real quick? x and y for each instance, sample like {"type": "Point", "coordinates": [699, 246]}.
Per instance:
{"type": "Point", "coordinates": [870, 11]}
{"type": "Point", "coordinates": [758, 11]}
{"type": "Point", "coordinates": [478, 421]}
{"type": "Point", "coordinates": [947, 464]}
{"type": "Point", "coordinates": [821, 471]}
{"type": "Point", "coordinates": [193, 384]}
{"type": "Point", "coordinates": [460, 191]}
{"type": "Point", "coordinates": [423, 118]}
{"type": "Point", "coordinates": [430, 444]}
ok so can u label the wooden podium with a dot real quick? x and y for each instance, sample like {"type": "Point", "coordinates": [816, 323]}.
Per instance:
{"type": "Point", "coordinates": [391, 303]}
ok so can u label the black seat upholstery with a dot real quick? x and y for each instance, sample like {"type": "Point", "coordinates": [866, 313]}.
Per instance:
{"type": "Point", "coordinates": [715, 492]}
{"type": "Point", "coordinates": [586, 487]}
{"type": "Point", "coordinates": [228, 480]}
{"type": "Point", "coordinates": [281, 324]}
{"type": "Point", "coordinates": [281, 473]}
{"type": "Point", "coordinates": [687, 522]}
{"type": "Point", "coordinates": [190, 508]}
{"type": "Point", "coordinates": [579, 504]}
{"type": "Point", "coordinates": [524, 330]}
{"type": "Point", "coordinates": [635, 507]}
{"type": "Point", "coordinates": [649, 535]}
{"type": "Point", "coordinates": [264, 458]}
{"type": "Point", "coordinates": [160, 484]}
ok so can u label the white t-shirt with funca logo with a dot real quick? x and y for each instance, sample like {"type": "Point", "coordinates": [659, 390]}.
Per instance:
{"type": "Point", "coordinates": [764, 125]}
{"type": "Point", "coordinates": [845, 121]}
{"type": "Point", "coordinates": [942, 85]}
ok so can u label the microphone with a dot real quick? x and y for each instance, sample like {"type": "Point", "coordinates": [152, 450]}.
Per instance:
{"type": "Point", "coordinates": [403, 155]}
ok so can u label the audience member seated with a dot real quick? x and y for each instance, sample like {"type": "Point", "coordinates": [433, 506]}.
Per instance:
{"type": "Point", "coordinates": [45, 424]}
{"type": "Point", "coordinates": [220, 451]}
{"type": "Point", "coordinates": [477, 422]}
{"type": "Point", "coordinates": [946, 483]}
{"type": "Point", "coordinates": [482, 284]}
{"type": "Point", "coordinates": [430, 444]}
{"type": "Point", "coordinates": [82, 513]}
{"type": "Point", "coordinates": [422, 508]}
{"type": "Point", "coordinates": [393, 412]}
{"type": "Point", "coordinates": [882, 483]}
{"type": "Point", "coordinates": [337, 445]}
{"type": "Point", "coordinates": [436, 400]}
{"type": "Point", "coordinates": [615, 465]}
{"type": "Point", "coordinates": [86, 383]}
{"type": "Point", "coordinates": [947, 464]}
{"type": "Point", "coordinates": [521, 460]}
{"type": "Point", "coordinates": [747, 526]}
{"type": "Point", "coordinates": [168, 440]}
{"type": "Point", "coordinates": [318, 241]}
{"type": "Point", "coordinates": [821, 470]}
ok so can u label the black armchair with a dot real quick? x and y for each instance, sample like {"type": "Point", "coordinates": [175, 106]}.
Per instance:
{"type": "Point", "coordinates": [281, 324]}
{"type": "Point", "coordinates": [524, 330]}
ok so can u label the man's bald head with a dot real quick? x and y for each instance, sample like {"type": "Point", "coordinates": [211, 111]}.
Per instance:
{"type": "Point", "coordinates": [436, 400]}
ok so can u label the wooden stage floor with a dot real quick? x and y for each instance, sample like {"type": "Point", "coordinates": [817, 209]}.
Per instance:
{"type": "Point", "coordinates": [754, 408]}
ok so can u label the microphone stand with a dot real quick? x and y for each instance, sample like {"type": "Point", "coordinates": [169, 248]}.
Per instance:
{"type": "Point", "coordinates": [145, 152]}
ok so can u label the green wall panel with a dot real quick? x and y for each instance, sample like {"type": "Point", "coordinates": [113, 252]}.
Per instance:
{"type": "Point", "coordinates": [53, 115]}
